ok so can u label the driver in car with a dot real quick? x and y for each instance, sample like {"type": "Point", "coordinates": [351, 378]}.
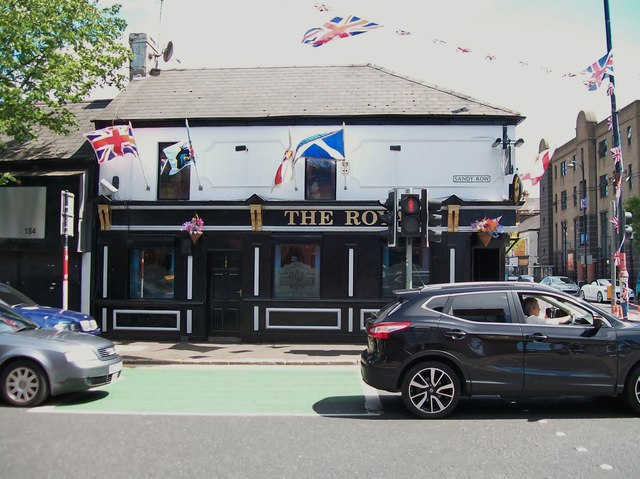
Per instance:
{"type": "Point", "coordinates": [532, 310]}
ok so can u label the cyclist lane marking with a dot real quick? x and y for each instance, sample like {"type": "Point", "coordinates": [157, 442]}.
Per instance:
{"type": "Point", "coordinates": [228, 390]}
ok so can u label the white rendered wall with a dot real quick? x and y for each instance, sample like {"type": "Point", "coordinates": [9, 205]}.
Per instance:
{"type": "Point", "coordinates": [430, 156]}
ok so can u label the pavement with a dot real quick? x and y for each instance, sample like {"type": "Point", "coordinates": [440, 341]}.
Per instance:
{"type": "Point", "coordinates": [147, 353]}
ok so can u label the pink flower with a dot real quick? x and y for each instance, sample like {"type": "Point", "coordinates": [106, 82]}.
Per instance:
{"type": "Point", "coordinates": [194, 226]}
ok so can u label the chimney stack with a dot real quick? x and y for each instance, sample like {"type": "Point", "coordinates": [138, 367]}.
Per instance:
{"type": "Point", "coordinates": [145, 55]}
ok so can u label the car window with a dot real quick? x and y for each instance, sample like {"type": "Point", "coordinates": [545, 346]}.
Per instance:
{"type": "Point", "coordinates": [437, 303]}
{"type": "Point", "coordinates": [555, 310]}
{"type": "Point", "coordinates": [482, 307]}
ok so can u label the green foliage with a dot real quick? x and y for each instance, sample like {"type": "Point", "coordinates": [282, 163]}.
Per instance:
{"type": "Point", "coordinates": [632, 204]}
{"type": "Point", "coordinates": [52, 53]}
{"type": "Point", "coordinates": [5, 178]}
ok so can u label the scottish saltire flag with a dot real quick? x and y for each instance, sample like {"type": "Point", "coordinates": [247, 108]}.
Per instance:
{"type": "Point", "coordinates": [113, 142]}
{"type": "Point", "coordinates": [338, 27]}
{"type": "Point", "coordinates": [179, 155]}
{"type": "Point", "coordinates": [598, 71]}
{"type": "Point", "coordinates": [324, 145]}
{"type": "Point", "coordinates": [540, 165]}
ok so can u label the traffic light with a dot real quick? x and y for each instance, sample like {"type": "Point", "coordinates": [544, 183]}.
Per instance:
{"type": "Point", "coordinates": [628, 219]}
{"type": "Point", "coordinates": [410, 219]}
{"type": "Point", "coordinates": [390, 217]}
{"type": "Point", "coordinates": [431, 218]}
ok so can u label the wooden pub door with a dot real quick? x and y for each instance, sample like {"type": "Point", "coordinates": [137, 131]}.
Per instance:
{"type": "Point", "coordinates": [224, 293]}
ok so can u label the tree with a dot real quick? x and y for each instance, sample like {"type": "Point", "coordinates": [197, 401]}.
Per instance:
{"type": "Point", "coordinates": [52, 53]}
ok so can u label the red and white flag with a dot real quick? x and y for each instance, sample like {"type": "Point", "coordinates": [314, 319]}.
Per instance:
{"type": "Point", "coordinates": [285, 170]}
{"type": "Point", "coordinates": [540, 165]}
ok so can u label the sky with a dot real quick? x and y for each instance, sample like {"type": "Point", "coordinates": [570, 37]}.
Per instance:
{"type": "Point", "coordinates": [521, 51]}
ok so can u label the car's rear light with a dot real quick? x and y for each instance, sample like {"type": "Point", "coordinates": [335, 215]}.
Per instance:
{"type": "Point", "coordinates": [383, 330]}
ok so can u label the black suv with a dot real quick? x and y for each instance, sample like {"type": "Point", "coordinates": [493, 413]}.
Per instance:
{"type": "Point", "coordinates": [440, 342]}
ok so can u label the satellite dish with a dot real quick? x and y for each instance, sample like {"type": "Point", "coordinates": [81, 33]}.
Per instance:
{"type": "Point", "coordinates": [168, 52]}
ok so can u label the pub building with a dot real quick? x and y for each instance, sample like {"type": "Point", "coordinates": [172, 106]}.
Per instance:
{"type": "Point", "coordinates": [307, 260]}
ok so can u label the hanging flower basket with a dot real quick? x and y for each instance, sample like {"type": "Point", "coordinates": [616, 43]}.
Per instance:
{"type": "Point", "coordinates": [487, 228]}
{"type": "Point", "coordinates": [194, 228]}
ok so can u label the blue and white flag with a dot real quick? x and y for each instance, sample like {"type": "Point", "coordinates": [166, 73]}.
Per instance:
{"type": "Point", "coordinates": [324, 145]}
{"type": "Point", "coordinates": [179, 155]}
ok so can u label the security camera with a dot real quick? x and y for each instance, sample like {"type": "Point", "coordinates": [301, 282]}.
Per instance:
{"type": "Point", "coordinates": [108, 186]}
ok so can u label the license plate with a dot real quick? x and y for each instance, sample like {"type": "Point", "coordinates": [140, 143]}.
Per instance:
{"type": "Point", "coordinates": [114, 368]}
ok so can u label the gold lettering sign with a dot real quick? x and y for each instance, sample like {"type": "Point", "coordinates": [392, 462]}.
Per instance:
{"type": "Point", "coordinates": [327, 218]}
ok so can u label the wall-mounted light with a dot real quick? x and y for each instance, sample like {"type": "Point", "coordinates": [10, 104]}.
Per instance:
{"type": "Point", "coordinates": [242, 148]}
{"type": "Point", "coordinates": [395, 147]}
{"type": "Point", "coordinates": [507, 142]}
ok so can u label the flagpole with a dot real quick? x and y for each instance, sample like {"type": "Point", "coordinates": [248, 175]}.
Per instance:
{"type": "Point", "coordinates": [195, 163]}
{"type": "Point", "coordinates": [618, 236]}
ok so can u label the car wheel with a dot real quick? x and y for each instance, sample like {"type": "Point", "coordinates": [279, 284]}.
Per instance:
{"type": "Point", "coordinates": [632, 390]}
{"type": "Point", "coordinates": [431, 390]}
{"type": "Point", "coordinates": [599, 298]}
{"type": "Point", "coordinates": [24, 384]}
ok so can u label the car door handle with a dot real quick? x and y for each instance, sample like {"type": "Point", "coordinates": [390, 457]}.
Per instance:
{"type": "Point", "coordinates": [455, 334]}
{"type": "Point", "coordinates": [537, 337]}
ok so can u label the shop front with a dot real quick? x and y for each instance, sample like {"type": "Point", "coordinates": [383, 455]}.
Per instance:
{"type": "Point", "coordinates": [264, 271]}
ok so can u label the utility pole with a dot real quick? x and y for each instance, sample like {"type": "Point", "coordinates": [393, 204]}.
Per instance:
{"type": "Point", "coordinates": [618, 235]}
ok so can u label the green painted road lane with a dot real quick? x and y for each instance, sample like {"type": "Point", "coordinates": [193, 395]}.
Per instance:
{"type": "Point", "coordinates": [227, 390]}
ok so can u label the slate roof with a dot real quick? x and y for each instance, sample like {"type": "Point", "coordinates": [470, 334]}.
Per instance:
{"type": "Point", "coordinates": [363, 91]}
{"type": "Point", "coordinates": [50, 145]}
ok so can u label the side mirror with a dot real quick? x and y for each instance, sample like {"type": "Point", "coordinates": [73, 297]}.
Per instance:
{"type": "Point", "coordinates": [598, 322]}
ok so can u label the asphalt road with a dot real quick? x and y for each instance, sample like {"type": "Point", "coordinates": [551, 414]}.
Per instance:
{"type": "Point", "coordinates": [310, 421]}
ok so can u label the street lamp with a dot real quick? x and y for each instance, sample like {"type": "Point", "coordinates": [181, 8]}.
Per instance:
{"type": "Point", "coordinates": [583, 207]}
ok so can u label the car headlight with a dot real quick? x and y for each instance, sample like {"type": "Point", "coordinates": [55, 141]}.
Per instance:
{"type": "Point", "coordinates": [81, 356]}
{"type": "Point", "coordinates": [63, 326]}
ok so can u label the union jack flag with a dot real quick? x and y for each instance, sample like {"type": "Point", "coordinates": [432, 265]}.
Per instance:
{"type": "Point", "coordinates": [616, 223]}
{"type": "Point", "coordinates": [338, 27]}
{"type": "Point", "coordinates": [112, 142]}
{"type": "Point", "coordinates": [598, 71]}
{"type": "Point", "coordinates": [616, 154]}
{"type": "Point", "coordinates": [610, 89]}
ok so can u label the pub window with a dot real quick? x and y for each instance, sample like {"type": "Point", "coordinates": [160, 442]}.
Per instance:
{"type": "Point", "coordinates": [174, 175]}
{"type": "Point", "coordinates": [575, 196]}
{"type": "Point", "coordinates": [151, 274]}
{"type": "Point", "coordinates": [563, 200]}
{"type": "Point", "coordinates": [628, 135]}
{"type": "Point", "coordinates": [297, 271]}
{"type": "Point", "coordinates": [563, 168]}
{"type": "Point", "coordinates": [630, 177]}
{"type": "Point", "coordinates": [320, 179]}
{"type": "Point", "coordinates": [393, 271]}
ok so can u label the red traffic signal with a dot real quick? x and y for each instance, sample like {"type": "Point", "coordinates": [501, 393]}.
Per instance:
{"type": "Point", "coordinates": [410, 204]}
{"type": "Point", "coordinates": [410, 221]}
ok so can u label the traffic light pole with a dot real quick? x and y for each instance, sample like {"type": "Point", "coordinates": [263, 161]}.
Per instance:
{"type": "Point", "coordinates": [409, 264]}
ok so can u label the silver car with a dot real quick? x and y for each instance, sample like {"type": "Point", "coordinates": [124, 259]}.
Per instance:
{"type": "Point", "coordinates": [38, 363]}
{"type": "Point", "coordinates": [561, 283]}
